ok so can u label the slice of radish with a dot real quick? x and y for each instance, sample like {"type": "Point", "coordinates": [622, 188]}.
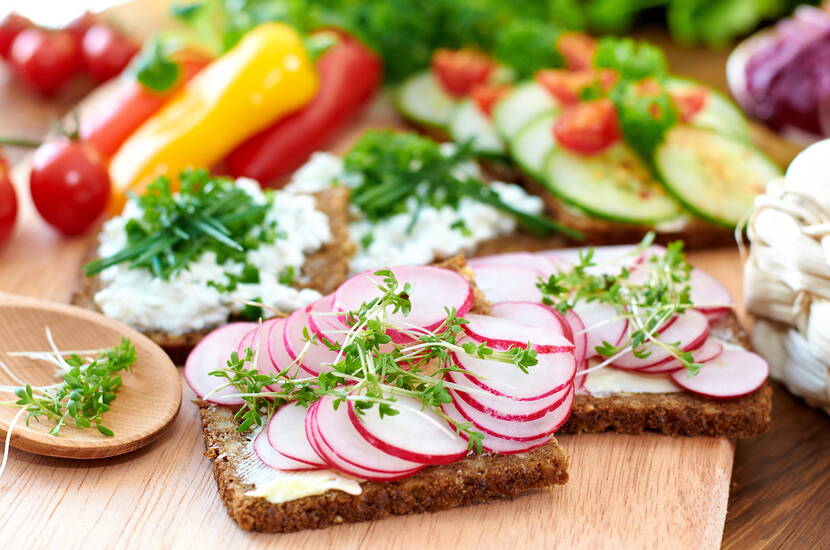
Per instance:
{"type": "Point", "coordinates": [710, 349]}
{"type": "Point", "coordinates": [733, 373]}
{"type": "Point", "coordinates": [316, 357]}
{"type": "Point", "coordinates": [540, 264]}
{"type": "Point", "coordinates": [339, 434]}
{"type": "Point", "coordinates": [433, 291]}
{"type": "Point", "coordinates": [491, 443]}
{"type": "Point", "coordinates": [707, 294]}
{"type": "Point", "coordinates": [690, 330]}
{"type": "Point", "coordinates": [277, 352]}
{"type": "Point", "coordinates": [257, 340]}
{"type": "Point", "coordinates": [602, 324]}
{"type": "Point", "coordinates": [504, 407]}
{"type": "Point", "coordinates": [517, 431]}
{"type": "Point", "coordinates": [553, 372]}
{"type": "Point", "coordinates": [211, 354]}
{"type": "Point", "coordinates": [414, 433]}
{"type": "Point", "coordinates": [336, 462]}
{"type": "Point", "coordinates": [715, 315]}
{"type": "Point", "coordinates": [536, 314]}
{"type": "Point", "coordinates": [503, 283]}
{"type": "Point", "coordinates": [580, 346]}
{"type": "Point", "coordinates": [275, 459]}
{"type": "Point", "coordinates": [286, 433]}
{"type": "Point", "coordinates": [323, 324]}
{"type": "Point", "coordinates": [502, 334]}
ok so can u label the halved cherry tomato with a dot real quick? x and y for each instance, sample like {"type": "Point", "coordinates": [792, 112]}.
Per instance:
{"type": "Point", "coordinates": [110, 126]}
{"type": "Point", "coordinates": [70, 185]}
{"type": "Point", "coordinates": [588, 127]}
{"type": "Point", "coordinates": [8, 202]}
{"type": "Point", "coordinates": [578, 50]}
{"type": "Point", "coordinates": [10, 27]}
{"type": "Point", "coordinates": [567, 86]}
{"type": "Point", "coordinates": [106, 51]}
{"type": "Point", "coordinates": [459, 71]}
{"type": "Point", "coordinates": [487, 95]}
{"type": "Point", "coordinates": [45, 60]}
{"type": "Point", "coordinates": [690, 102]}
{"type": "Point", "coordinates": [648, 87]}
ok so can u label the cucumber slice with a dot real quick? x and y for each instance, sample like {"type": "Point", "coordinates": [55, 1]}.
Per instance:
{"type": "Point", "coordinates": [522, 105]}
{"type": "Point", "coordinates": [715, 176]}
{"type": "Point", "coordinates": [531, 148]}
{"type": "Point", "coordinates": [421, 100]}
{"type": "Point", "coordinates": [718, 114]}
{"type": "Point", "coordinates": [469, 123]}
{"type": "Point", "coordinates": [613, 185]}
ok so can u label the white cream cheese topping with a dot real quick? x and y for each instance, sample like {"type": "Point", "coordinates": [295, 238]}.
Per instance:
{"type": "Point", "coordinates": [608, 381]}
{"type": "Point", "coordinates": [437, 232]}
{"type": "Point", "coordinates": [186, 301]}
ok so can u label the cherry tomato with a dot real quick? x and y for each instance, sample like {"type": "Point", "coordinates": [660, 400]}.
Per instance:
{"type": "Point", "coordinates": [588, 127]}
{"type": "Point", "coordinates": [106, 52]}
{"type": "Point", "coordinates": [578, 50]}
{"type": "Point", "coordinates": [8, 203]}
{"type": "Point", "coordinates": [10, 27]}
{"type": "Point", "coordinates": [80, 25]}
{"type": "Point", "coordinates": [459, 71]}
{"type": "Point", "coordinates": [45, 60]}
{"type": "Point", "coordinates": [689, 101]}
{"type": "Point", "coordinates": [70, 185]}
{"type": "Point", "coordinates": [487, 95]}
{"type": "Point", "coordinates": [567, 86]}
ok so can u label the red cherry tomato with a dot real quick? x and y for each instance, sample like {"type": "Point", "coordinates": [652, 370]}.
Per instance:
{"type": "Point", "coordinates": [459, 71]}
{"type": "Point", "coordinates": [106, 52]}
{"type": "Point", "coordinates": [8, 203]}
{"type": "Point", "coordinates": [587, 128]}
{"type": "Point", "coordinates": [70, 185]}
{"type": "Point", "coordinates": [80, 25]}
{"type": "Point", "coordinates": [690, 102]}
{"type": "Point", "coordinates": [10, 27]}
{"type": "Point", "coordinates": [486, 96]}
{"type": "Point", "coordinates": [578, 50]}
{"type": "Point", "coordinates": [45, 60]}
{"type": "Point", "coordinates": [567, 86]}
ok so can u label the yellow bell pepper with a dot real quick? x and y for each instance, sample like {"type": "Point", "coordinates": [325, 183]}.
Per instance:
{"type": "Point", "coordinates": [266, 76]}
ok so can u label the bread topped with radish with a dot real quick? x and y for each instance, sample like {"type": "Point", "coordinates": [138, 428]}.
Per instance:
{"type": "Point", "coordinates": [657, 344]}
{"type": "Point", "coordinates": [399, 393]}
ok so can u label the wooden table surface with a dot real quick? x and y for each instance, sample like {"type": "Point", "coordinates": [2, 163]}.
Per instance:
{"type": "Point", "coordinates": [780, 491]}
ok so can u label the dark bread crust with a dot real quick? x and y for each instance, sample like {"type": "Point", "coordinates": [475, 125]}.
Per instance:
{"type": "Point", "coordinates": [326, 268]}
{"type": "Point", "coordinates": [474, 480]}
{"type": "Point", "coordinates": [677, 414]}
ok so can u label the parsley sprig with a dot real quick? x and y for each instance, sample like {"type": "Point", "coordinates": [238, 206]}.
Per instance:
{"type": "Point", "coordinates": [370, 370]}
{"type": "Point", "coordinates": [647, 301]}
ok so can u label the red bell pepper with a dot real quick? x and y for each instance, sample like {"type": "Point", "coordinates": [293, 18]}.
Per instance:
{"type": "Point", "coordinates": [110, 126]}
{"type": "Point", "coordinates": [349, 75]}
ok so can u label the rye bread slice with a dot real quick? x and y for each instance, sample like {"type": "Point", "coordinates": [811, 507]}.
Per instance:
{"type": "Point", "coordinates": [325, 268]}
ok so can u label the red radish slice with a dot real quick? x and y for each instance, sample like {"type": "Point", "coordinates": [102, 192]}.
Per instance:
{"type": "Point", "coordinates": [505, 407]}
{"type": "Point", "coordinates": [517, 431]}
{"type": "Point", "coordinates": [333, 460]}
{"type": "Point", "coordinates": [733, 373]}
{"type": "Point", "coordinates": [274, 459]}
{"type": "Point", "coordinates": [541, 265]}
{"type": "Point", "coordinates": [491, 443]}
{"type": "Point", "coordinates": [553, 372]}
{"type": "Point", "coordinates": [607, 259]}
{"type": "Point", "coordinates": [710, 349]}
{"type": "Point", "coordinates": [715, 315]}
{"type": "Point", "coordinates": [316, 358]}
{"type": "Point", "coordinates": [502, 334]}
{"type": "Point", "coordinates": [534, 313]}
{"type": "Point", "coordinates": [580, 346]}
{"type": "Point", "coordinates": [691, 329]}
{"type": "Point", "coordinates": [339, 434]}
{"type": "Point", "coordinates": [414, 433]}
{"type": "Point", "coordinates": [323, 324]}
{"type": "Point", "coordinates": [257, 340]}
{"type": "Point", "coordinates": [707, 294]}
{"type": "Point", "coordinates": [211, 354]}
{"type": "Point", "coordinates": [602, 324]}
{"type": "Point", "coordinates": [277, 352]}
{"type": "Point", "coordinates": [503, 283]}
{"type": "Point", "coordinates": [433, 291]}
{"type": "Point", "coordinates": [286, 433]}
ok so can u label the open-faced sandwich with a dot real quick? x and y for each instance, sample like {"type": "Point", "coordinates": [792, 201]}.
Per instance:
{"type": "Point", "coordinates": [614, 144]}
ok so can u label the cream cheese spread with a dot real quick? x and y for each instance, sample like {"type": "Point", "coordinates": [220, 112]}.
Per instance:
{"type": "Point", "coordinates": [609, 381]}
{"type": "Point", "coordinates": [190, 300]}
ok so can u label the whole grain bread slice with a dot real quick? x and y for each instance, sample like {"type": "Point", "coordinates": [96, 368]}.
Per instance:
{"type": "Point", "coordinates": [475, 479]}
{"type": "Point", "coordinates": [325, 269]}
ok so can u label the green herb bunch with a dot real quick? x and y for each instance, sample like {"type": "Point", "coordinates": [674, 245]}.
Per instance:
{"type": "Point", "coordinates": [88, 389]}
{"type": "Point", "coordinates": [648, 302]}
{"type": "Point", "coordinates": [371, 371]}
{"type": "Point", "coordinates": [175, 228]}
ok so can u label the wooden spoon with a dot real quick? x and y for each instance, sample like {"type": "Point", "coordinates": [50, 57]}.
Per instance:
{"type": "Point", "coordinates": [146, 403]}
